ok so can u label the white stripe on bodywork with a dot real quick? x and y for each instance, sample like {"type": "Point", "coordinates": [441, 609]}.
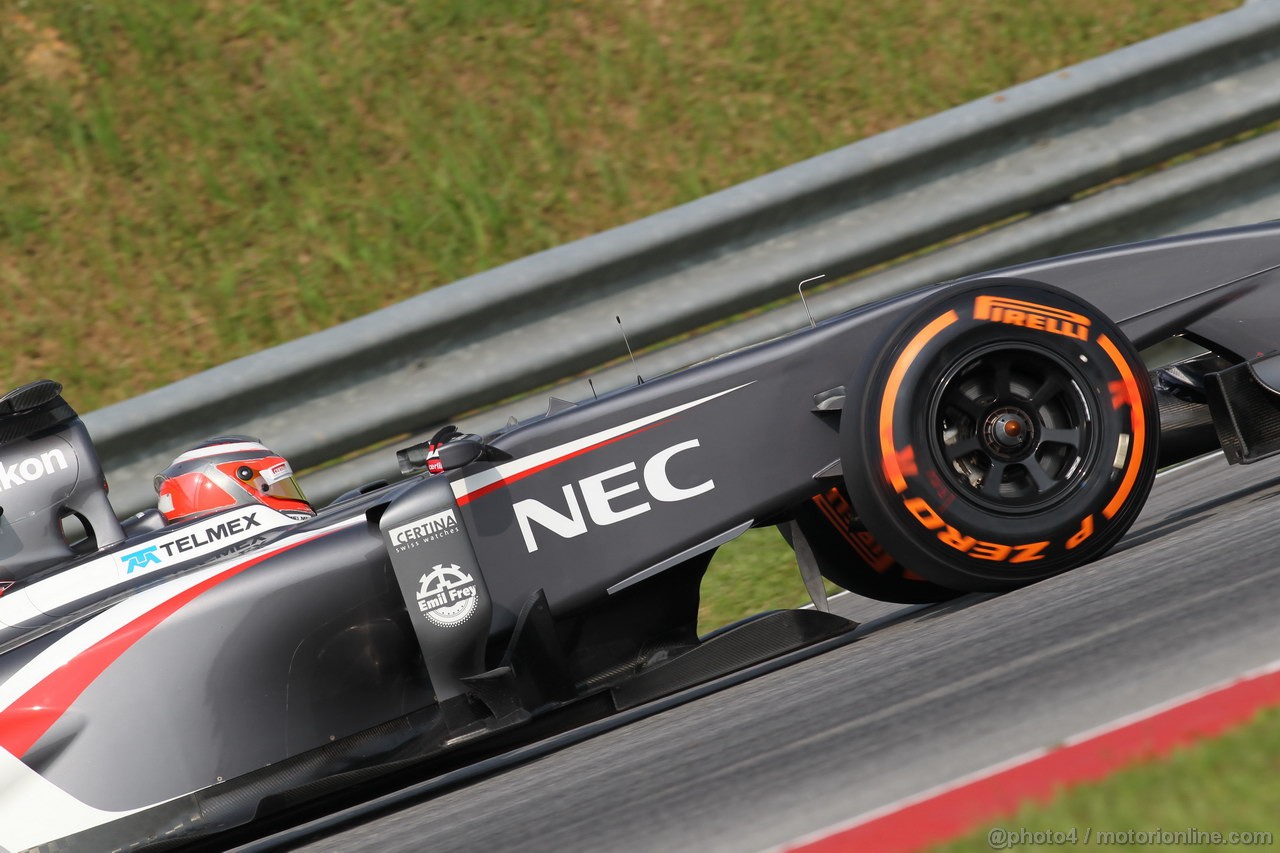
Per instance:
{"type": "Point", "coordinates": [35, 811]}
{"type": "Point", "coordinates": [467, 485]}
{"type": "Point", "coordinates": [686, 554]}
{"type": "Point", "coordinates": [97, 628]}
{"type": "Point", "coordinates": [110, 570]}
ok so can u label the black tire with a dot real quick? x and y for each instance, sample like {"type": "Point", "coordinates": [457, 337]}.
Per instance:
{"type": "Point", "coordinates": [1007, 433]}
{"type": "Point", "coordinates": [848, 555]}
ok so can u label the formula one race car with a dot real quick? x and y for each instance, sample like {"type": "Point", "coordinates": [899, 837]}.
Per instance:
{"type": "Point", "coordinates": [160, 682]}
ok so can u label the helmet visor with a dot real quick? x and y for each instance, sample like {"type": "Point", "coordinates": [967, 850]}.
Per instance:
{"type": "Point", "coordinates": [271, 477]}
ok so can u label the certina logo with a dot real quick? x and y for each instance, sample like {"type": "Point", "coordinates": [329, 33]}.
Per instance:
{"type": "Point", "coordinates": [32, 468]}
{"type": "Point", "coordinates": [1031, 315]}
{"type": "Point", "coordinates": [419, 531]}
{"type": "Point", "coordinates": [447, 595]}
{"type": "Point", "coordinates": [605, 500]}
{"type": "Point", "coordinates": [197, 539]}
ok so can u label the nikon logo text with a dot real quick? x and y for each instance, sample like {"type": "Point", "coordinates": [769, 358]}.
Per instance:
{"type": "Point", "coordinates": [606, 504]}
{"type": "Point", "coordinates": [1031, 315]}
{"type": "Point", "coordinates": [31, 468]}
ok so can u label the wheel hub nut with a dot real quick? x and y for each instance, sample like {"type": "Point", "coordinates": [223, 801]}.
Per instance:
{"type": "Point", "coordinates": [1007, 431]}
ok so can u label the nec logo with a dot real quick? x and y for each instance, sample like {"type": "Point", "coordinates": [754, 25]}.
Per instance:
{"type": "Point", "coordinates": [1031, 315]}
{"type": "Point", "coordinates": [603, 499]}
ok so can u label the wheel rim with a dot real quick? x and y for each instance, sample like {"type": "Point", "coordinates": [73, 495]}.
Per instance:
{"type": "Point", "coordinates": [1011, 428]}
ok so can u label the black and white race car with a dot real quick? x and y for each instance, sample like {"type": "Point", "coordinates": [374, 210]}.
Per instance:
{"type": "Point", "coordinates": [977, 435]}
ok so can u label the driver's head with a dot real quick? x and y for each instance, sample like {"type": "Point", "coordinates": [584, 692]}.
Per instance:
{"type": "Point", "coordinates": [225, 472]}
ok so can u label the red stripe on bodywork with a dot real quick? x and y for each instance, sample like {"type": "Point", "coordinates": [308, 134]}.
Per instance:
{"type": "Point", "coordinates": [31, 715]}
{"type": "Point", "coordinates": [520, 475]}
{"type": "Point", "coordinates": [1000, 792]}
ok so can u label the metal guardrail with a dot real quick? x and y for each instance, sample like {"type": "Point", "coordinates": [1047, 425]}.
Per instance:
{"type": "Point", "coordinates": [1237, 186]}
{"type": "Point", "coordinates": [1030, 148]}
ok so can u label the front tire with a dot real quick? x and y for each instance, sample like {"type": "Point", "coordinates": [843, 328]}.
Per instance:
{"type": "Point", "coordinates": [1007, 433]}
{"type": "Point", "coordinates": [849, 556]}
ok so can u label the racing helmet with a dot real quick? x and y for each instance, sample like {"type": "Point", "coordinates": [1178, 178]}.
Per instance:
{"type": "Point", "coordinates": [225, 472]}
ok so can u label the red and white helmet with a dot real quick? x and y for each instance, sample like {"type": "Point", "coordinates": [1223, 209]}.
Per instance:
{"type": "Point", "coordinates": [225, 472]}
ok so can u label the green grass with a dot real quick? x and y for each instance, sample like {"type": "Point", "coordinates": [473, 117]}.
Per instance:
{"type": "Point", "coordinates": [1228, 784]}
{"type": "Point", "coordinates": [751, 573]}
{"type": "Point", "coordinates": [185, 182]}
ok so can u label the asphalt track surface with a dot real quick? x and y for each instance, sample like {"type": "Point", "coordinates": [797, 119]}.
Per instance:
{"type": "Point", "coordinates": [925, 695]}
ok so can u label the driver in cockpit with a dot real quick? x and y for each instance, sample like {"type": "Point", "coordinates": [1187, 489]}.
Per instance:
{"type": "Point", "coordinates": [225, 472]}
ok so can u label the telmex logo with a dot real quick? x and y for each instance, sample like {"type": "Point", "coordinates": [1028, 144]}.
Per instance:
{"type": "Point", "coordinates": [140, 559]}
{"type": "Point", "coordinates": [1031, 315]}
{"type": "Point", "coordinates": [31, 468]}
{"type": "Point", "coordinates": [426, 529]}
{"type": "Point", "coordinates": [195, 540]}
{"type": "Point", "coordinates": [601, 500]}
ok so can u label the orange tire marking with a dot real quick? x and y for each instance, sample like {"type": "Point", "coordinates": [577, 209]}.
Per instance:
{"type": "Point", "coordinates": [924, 513]}
{"type": "Point", "coordinates": [1085, 531]}
{"type": "Point", "coordinates": [1031, 315]}
{"type": "Point", "coordinates": [874, 553]}
{"type": "Point", "coordinates": [1138, 417]}
{"type": "Point", "coordinates": [993, 551]}
{"type": "Point", "coordinates": [1028, 553]}
{"type": "Point", "coordinates": [907, 461]}
{"type": "Point", "coordinates": [878, 562]}
{"type": "Point", "coordinates": [835, 520]}
{"type": "Point", "coordinates": [987, 307]}
{"type": "Point", "coordinates": [892, 467]}
{"type": "Point", "coordinates": [1119, 394]}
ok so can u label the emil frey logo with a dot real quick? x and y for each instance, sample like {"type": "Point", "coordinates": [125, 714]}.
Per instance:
{"type": "Point", "coordinates": [32, 468]}
{"type": "Point", "coordinates": [427, 529]}
{"type": "Point", "coordinates": [447, 595]}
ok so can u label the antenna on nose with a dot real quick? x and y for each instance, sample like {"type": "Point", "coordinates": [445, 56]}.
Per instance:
{"type": "Point", "coordinates": [812, 324]}
{"type": "Point", "coordinates": [625, 340]}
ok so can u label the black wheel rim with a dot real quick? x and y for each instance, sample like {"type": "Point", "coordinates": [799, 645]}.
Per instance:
{"type": "Point", "coordinates": [1012, 428]}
